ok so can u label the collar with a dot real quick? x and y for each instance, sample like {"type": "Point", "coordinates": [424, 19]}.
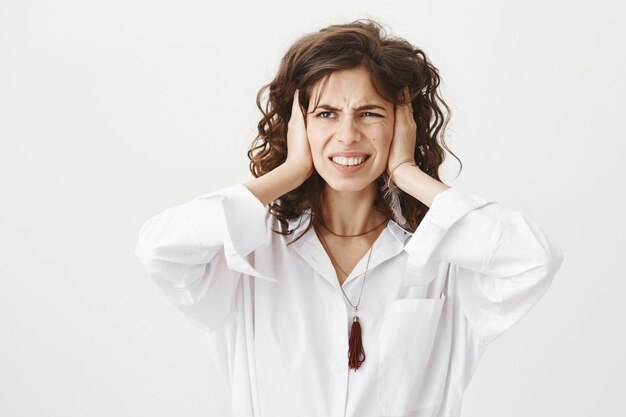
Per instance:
{"type": "Point", "coordinates": [388, 244]}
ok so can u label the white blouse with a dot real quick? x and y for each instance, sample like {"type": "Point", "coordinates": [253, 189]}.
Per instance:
{"type": "Point", "coordinates": [277, 324]}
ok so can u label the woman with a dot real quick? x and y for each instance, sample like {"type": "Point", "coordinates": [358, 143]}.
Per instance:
{"type": "Point", "coordinates": [346, 279]}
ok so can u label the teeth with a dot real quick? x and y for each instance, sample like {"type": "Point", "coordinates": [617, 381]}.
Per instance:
{"type": "Point", "coordinates": [348, 161]}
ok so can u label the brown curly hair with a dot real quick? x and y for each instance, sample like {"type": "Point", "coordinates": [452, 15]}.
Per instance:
{"type": "Point", "coordinates": [392, 64]}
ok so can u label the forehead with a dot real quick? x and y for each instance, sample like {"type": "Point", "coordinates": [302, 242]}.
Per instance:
{"type": "Point", "coordinates": [346, 86]}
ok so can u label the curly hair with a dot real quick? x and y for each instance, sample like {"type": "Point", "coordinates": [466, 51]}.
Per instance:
{"type": "Point", "coordinates": [392, 64]}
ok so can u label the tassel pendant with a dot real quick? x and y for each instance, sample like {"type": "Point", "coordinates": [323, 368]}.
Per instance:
{"type": "Point", "coordinates": [356, 355]}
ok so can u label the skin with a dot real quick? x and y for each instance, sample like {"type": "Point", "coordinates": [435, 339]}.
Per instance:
{"type": "Point", "coordinates": [387, 134]}
{"type": "Point", "coordinates": [390, 140]}
{"type": "Point", "coordinates": [350, 197]}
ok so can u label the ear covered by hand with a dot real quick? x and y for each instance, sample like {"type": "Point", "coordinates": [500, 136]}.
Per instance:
{"type": "Point", "coordinates": [298, 148]}
{"type": "Point", "coordinates": [404, 135]}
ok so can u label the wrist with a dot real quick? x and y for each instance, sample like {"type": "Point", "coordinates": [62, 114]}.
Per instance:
{"type": "Point", "coordinates": [407, 161]}
{"type": "Point", "coordinates": [295, 173]}
{"type": "Point", "coordinates": [417, 183]}
{"type": "Point", "coordinates": [404, 172]}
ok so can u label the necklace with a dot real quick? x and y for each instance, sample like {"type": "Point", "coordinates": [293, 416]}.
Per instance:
{"type": "Point", "coordinates": [356, 354]}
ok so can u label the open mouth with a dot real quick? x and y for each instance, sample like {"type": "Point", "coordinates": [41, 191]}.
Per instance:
{"type": "Point", "coordinates": [350, 169]}
{"type": "Point", "coordinates": [345, 162]}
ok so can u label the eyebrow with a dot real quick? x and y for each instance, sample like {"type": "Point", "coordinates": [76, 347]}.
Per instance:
{"type": "Point", "coordinates": [364, 107]}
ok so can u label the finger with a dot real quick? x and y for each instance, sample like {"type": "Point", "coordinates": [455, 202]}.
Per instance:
{"type": "Point", "coordinates": [404, 110]}
{"type": "Point", "coordinates": [403, 115]}
{"type": "Point", "coordinates": [299, 106]}
{"type": "Point", "coordinates": [406, 93]}
{"type": "Point", "coordinates": [294, 106]}
{"type": "Point", "coordinates": [301, 114]}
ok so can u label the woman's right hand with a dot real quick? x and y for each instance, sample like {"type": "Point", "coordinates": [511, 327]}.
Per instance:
{"type": "Point", "coordinates": [298, 149]}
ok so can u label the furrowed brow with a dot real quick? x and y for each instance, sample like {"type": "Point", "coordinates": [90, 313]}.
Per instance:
{"type": "Point", "coordinates": [364, 107]}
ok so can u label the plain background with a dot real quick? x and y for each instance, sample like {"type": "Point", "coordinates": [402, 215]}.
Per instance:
{"type": "Point", "coordinates": [112, 111]}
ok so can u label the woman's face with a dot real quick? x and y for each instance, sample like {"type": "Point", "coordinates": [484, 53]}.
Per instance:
{"type": "Point", "coordinates": [350, 118]}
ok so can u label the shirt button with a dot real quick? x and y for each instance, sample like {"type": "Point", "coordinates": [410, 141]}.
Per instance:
{"type": "Point", "coordinates": [340, 306]}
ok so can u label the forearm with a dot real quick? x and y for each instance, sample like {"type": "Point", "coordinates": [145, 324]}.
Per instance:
{"type": "Point", "coordinates": [417, 183]}
{"type": "Point", "coordinates": [275, 183]}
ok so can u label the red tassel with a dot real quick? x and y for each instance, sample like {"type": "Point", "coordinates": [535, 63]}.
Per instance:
{"type": "Point", "coordinates": [356, 355]}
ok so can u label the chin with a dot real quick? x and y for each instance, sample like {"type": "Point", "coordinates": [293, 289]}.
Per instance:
{"type": "Point", "coordinates": [348, 184]}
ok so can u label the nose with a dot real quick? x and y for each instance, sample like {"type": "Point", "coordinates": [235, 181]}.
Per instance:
{"type": "Point", "coordinates": [347, 131]}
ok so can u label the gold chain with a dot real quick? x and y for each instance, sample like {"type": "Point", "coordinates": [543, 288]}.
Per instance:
{"type": "Point", "coordinates": [356, 308]}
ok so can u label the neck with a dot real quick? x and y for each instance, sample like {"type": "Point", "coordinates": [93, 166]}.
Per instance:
{"type": "Point", "coordinates": [350, 212]}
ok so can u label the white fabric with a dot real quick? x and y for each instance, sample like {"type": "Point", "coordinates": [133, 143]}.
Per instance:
{"type": "Point", "coordinates": [277, 323]}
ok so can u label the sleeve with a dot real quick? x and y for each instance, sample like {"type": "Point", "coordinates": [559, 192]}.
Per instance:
{"type": "Point", "coordinates": [504, 262]}
{"type": "Point", "coordinates": [195, 251]}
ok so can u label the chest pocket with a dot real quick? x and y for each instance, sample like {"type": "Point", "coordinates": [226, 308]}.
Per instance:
{"type": "Point", "coordinates": [406, 341]}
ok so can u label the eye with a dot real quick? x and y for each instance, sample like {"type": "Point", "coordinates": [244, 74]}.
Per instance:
{"type": "Point", "coordinates": [320, 114]}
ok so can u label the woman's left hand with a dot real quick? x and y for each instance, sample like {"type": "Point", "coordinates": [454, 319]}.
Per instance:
{"type": "Point", "coordinates": [404, 136]}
